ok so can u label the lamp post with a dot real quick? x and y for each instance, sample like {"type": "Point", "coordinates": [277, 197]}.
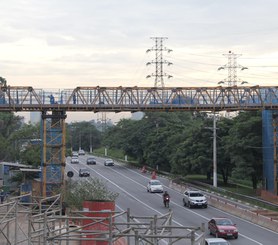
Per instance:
{"type": "Point", "coordinates": [214, 153]}
{"type": "Point", "coordinates": [91, 146]}
{"type": "Point", "coordinates": [214, 150]}
{"type": "Point", "coordinates": [79, 140]}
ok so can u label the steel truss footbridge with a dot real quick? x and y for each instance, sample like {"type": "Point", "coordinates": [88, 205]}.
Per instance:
{"type": "Point", "coordinates": [54, 104]}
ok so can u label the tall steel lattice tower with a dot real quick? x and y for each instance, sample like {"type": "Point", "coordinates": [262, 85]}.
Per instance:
{"type": "Point", "coordinates": [159, 61]}
{"type": "Point", "coordinates": [232, 67]}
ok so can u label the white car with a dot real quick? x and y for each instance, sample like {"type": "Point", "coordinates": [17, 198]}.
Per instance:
{"type": "Point", "coordinates": [74, 160]}
{"type": "Point", "coordinates": [154, 186]}
{"type": "Point", "coordinates": [216, 241]}
{"type": "Point", "coordinates": [81, 152]}
{"type": "Point", "coordinates": [192, 198]}
{"type": "Point", "coordinates": [74, 154]}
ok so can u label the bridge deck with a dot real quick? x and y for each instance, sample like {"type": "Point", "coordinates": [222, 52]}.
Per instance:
{"type": "Point", "coordinates": [116, 99]}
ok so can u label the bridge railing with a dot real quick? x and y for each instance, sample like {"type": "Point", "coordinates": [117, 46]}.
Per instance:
{"type": "Point", "coordinates": [139, 98]}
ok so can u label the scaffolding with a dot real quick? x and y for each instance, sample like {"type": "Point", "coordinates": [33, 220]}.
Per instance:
{"type": "Point", "coordinates": [42, 222]}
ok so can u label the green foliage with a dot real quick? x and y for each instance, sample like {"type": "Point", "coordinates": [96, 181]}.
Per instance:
{"type": "Point", "coordinates": [91, 189]}
{"type": "Point", "coordinates": [31, 155]}
{"type": "Point", "coordinates": [9, 124]}
{"type": "Point", "coordinates": [82, 135]}
{"type": "Point", "coordinates": [181, 143]}
{"type": "Point", "coordinates": [244, 146]}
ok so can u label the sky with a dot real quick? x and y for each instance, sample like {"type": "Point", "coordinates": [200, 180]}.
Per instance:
{"type": "Point", "coordinates": [59, 44]}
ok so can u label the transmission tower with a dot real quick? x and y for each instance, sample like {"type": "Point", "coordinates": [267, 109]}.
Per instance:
{"type": "Point", "coordinates": [159, 61]}
{"type": "Point", "coordinates": [232, 67]}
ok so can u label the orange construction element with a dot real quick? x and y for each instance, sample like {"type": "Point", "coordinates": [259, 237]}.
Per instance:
{"type": "Point", "coordinates": [144, 169]}
{"type": "Point", "coordinates": [99, 209]}
{"type": "Point", "coordinates": [153, 175]}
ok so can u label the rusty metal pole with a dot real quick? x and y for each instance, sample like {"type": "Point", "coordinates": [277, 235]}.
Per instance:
{"type": "Point", "coordinates": [44, 156]}
{"type": "Point", "coordinates": [128, 224]}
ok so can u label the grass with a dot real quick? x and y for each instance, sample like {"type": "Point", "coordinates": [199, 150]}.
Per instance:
{"type": "Point", "coordinates": [112, 153]}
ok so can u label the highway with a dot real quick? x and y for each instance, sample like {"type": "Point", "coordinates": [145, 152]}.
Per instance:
{"type": "Point", "coordinates": [131, 186]}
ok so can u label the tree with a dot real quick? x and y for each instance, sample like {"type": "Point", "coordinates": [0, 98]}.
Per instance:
{"type": "Point", "coordinates": [244, 146]}
{"type": "Point", "coordinates": [82, 135]}
{"type": "Point", "coordinates": [9, 123]}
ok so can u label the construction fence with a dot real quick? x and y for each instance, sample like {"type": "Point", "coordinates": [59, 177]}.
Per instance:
{"type": "Point", "coordinates": [43, 221]}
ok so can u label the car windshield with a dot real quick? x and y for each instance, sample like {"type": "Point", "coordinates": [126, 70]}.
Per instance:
{"type": "Point", "coordinates": [91, 159]}
{"type": "Point", "coordinates": [218, 243]}
{"type": "Point", "coordinates": [224, 222]}
{"type": "Point", "coordinates": [196, 194]}
{"type": "Point", "coordinates": [155, 183]}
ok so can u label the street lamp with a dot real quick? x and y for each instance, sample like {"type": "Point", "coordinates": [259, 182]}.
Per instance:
{"type": "Point", "coordinates": [214, 153]}
{"type": "Point", "coordinates": [91, 145]}
{"type": "Point", "coordinates": [214, 150]}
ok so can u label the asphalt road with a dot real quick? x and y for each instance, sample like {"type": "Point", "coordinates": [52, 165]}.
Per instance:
{"type": "Point", "coordinates": [131, 186]}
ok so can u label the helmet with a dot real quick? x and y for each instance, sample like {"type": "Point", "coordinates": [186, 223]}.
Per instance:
{"type": "Point", "coordinates": [165, 192]}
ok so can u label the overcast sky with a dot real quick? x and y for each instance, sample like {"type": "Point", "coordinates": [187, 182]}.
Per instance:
{"type": "Point", "coordinates": [70, 43]}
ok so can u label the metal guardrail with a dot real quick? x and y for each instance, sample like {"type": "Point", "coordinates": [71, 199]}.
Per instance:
{"type": "Point", "coordinates": [238, 196]}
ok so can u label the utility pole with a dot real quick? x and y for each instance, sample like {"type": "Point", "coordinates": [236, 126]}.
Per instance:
{"type": "Point", "coordinates": [79, 139]}
{"type": "Point", "coordinates": [232, 67]}
{"type": "Point", "coordinates": [159, 61]}
{"type": "Point", "coordinates": [214, 152]}
{"type": "Point", "coordinates": [91, 145]}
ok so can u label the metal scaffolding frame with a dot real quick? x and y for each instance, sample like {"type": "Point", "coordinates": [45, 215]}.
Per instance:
{"type": "Point", "coordinates": [53, 133]}
{"type": "Point", "coordinates": [41, 222]}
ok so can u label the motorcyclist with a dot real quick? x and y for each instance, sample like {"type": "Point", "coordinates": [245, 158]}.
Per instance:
{"type": "Point", "coordinates": [166, 198]}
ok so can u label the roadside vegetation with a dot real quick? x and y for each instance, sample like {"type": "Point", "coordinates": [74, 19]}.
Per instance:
{"type": "Point", "coordinates": [179, 143]}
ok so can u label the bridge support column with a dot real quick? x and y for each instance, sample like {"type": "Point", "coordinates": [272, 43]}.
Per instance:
{"type": "Point", "coordinates": [275, 144]}
{"type": "Point", "coordinates": [53, 134]}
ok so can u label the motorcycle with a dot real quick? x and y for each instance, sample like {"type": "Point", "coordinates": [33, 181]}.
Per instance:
{"type": "Point", "coordinates": [166, 201]}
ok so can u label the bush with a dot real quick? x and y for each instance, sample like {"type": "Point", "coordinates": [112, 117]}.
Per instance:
{"type": "Point", "coordinates": [91, 189]}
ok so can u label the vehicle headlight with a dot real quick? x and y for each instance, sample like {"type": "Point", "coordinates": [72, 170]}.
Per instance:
{"type": "Point", "coordinates": [236, 230]}
{"type": "Point", "coordinates": [221, 230]}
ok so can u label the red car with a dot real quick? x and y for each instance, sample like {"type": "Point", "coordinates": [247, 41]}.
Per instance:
{"type": "Point", "coordinates": [222, 227]}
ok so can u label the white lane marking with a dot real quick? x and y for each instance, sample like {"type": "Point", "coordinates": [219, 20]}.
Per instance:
{"type": "Point", "coordinates": [207, 219]}
{"type": "Point", "coordinates": [133, 198]}
{"type": "Point", "coordinates": [160, 195]}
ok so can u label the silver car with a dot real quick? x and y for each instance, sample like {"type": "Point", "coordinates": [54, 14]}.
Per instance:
{"type": "Point", "coordinates": [216, 241]}
{"type": "Point", "coordinates": [194, 198]}
{"type": "Point", "coordinates": [109, 162]}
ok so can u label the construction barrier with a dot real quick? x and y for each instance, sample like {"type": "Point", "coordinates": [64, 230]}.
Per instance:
{"type": "Point", "coordinates": [144, 169]}
{"type": "Point", "coordinates": [98, 210]}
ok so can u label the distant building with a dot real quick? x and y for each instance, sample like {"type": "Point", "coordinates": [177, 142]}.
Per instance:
{"type": "Point", "coordinates": [137, 115]}
{"type": "Point", "coordinates": [35, 117]}
{"type": "Point", "coordinates": [7, 170]}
